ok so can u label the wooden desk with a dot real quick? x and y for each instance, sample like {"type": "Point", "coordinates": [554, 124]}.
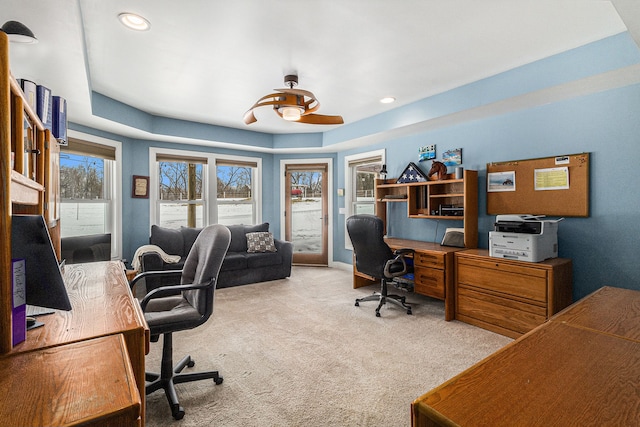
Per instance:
{"type": "Point", "coordinates": [433, 271]}
{"type": "Point", "coordinates": [580, 368]}
{"type": "Point", "coordinates": [88, 383]}
{"type": "Point", "coordinates": [102, 304]}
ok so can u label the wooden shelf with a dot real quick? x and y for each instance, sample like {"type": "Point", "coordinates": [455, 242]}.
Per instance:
{"type": "Point", "coordinates": [24, 191]}
{"type": "Point", "coordinates": [424, 199]}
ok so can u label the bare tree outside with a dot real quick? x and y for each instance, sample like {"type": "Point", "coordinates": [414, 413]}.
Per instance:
{"type": "Point", "coordinates": [82, 177]}
{"type": "Point", "coordinates": [234, 182]}
{"type": "Point", "coordinates": [174, 181]}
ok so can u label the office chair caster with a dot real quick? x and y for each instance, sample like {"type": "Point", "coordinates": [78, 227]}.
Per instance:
{"type": "Point", "coordinates": [409, 311]}
{"type": "Point", "coordinates": [178, 412]}
{"type": "Point", "coordinates": [218, 380]}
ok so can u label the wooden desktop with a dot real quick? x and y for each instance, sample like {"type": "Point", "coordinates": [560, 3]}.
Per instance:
{"type": "Point", "coordinates": [582, 367]}
{"type": "Point", "coordinates": [103, 306]}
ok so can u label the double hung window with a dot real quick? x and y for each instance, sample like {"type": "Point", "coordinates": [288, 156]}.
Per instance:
{"type": "Point", "coordinates": [194, 189]}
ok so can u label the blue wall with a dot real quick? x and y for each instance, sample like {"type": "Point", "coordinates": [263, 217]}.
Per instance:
{"type": "Point", "coordinates": [603, 247]}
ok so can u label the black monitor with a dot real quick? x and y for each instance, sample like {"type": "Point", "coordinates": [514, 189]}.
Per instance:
{"type": "Point", "coordinates": [30, 241]}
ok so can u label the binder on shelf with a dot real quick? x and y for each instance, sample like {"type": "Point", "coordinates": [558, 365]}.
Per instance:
{"type": "Point", "coordinates": [19, 301]}
{"type": "Point", "coordinates": [44, 104]}
{"type": "Point", "coordinates": [59, 125]}
{"type": "Point", "coordinates": [29, 90]}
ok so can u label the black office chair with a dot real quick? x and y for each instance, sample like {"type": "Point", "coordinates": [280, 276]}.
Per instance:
{"type": "Point", "coordinates": [376, 259]}
{"type": "Point", "coordinates": [169, 309]}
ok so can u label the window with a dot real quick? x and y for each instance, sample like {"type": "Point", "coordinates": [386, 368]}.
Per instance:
{"type": "Point", "coordinates": [182, 193]}
{"type": "Point", "coordinates": [90, 188]}
{"type": "Point", "coordinates": [236, 191]}
{"type": "Point", "coordinates": [180, 189]}
{"type": "Point", "coordinates": [360, 179]}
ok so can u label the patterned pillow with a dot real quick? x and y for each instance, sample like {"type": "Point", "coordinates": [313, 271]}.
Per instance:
{"type": "Point", "coordinates": [261, 241]}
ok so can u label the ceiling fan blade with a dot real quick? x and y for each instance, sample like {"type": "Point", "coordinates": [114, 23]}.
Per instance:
{"type": "Point", "coordinates": [320, 119]}
{"type": "Point", "coordinates": [249, 117]}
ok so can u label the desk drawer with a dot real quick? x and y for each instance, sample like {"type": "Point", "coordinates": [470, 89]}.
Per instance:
{"type": "Point", "coordinates": [429, 282]}
{"type": "Point", "coordinates": [429, 259]}
{"type": "Point", "coordinates": [503, 312]}
{"type": "Point", "coordinates": [518, 281]}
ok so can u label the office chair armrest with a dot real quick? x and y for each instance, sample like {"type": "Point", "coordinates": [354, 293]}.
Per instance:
{"type": "Point", "coordinates": [165, 291]}
{"type": "Point", "coordinates": [160, 273]}
{"type": "Point", "coordinates": [399, 258]}
{"type": "Point", "coordinates": [403, 251]}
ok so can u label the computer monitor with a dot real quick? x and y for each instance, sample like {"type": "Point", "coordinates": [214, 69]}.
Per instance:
{"type": "Point", "coordinates": [30, 241]}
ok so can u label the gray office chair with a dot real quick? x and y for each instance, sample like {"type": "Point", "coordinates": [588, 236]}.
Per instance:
{"type": "Point", "coordinates": [170, 309]}
{"type": "Point", "coordinates": [376, 259]}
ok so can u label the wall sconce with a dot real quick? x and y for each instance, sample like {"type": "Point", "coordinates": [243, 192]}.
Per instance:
{"type": "Point", "coordinates": [18, 32]}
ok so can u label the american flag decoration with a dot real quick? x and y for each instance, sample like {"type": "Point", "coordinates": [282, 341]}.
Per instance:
{"type": "Point", "coordinates": [411, 173]}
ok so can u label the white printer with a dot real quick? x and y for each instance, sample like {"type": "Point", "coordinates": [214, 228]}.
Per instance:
{"type": "Point", "coordinates": [524, 238]}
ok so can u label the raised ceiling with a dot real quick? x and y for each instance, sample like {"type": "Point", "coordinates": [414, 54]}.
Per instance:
{"type": "Point", "coordinates": [208, 61]}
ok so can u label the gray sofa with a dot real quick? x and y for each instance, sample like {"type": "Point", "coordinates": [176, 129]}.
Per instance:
{"type": "Point", "coordinates": [240, 267]}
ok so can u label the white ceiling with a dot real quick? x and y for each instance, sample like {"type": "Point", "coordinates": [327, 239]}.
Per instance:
{"type": "Point", "coordinates": [208, 61]}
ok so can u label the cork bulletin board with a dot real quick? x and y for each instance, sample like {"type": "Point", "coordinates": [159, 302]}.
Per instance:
{"type": "Point", "coordinates": [552, 186]}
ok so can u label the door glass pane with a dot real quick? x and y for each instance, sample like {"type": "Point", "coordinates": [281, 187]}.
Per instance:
{"type": "Point", "coordinates": [306, 211]}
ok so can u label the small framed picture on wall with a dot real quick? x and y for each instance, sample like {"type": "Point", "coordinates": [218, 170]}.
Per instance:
{"type": "Point", "coordinates": [140, 188]}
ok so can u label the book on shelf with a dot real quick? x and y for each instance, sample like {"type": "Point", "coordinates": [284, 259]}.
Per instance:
{"type": "Point", "coordinates": [59, 125]}
{"type": "Point", "coordinates": [29, 90]}
{"type": "Point", "coordinates": [44, 105]}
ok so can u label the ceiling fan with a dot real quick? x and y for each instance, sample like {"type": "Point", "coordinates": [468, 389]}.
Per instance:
{"type": "Point", "coordinates": [294, 105]}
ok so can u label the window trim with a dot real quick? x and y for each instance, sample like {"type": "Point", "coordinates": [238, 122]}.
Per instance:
{"type": "Point", "coordinates": [349, 163]}
{"type": "Point", "coordinates": [116, 199]}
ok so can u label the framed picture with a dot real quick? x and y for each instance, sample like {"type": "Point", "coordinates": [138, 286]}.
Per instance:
{"type": "Point", "coordinates": [140, 188]}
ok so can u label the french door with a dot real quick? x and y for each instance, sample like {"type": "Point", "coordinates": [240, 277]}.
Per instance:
{"type": "Point", "coordinates": [306, 212]}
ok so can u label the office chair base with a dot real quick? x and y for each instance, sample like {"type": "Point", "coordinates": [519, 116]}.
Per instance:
{"type": "Point", "coordinates": [394, 299]}
{"type": "Point", "coordinates": [170, 375]}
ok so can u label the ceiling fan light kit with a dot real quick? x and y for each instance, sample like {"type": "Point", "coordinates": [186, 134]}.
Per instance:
{"type": "Point", "coordinates": [295, 105]}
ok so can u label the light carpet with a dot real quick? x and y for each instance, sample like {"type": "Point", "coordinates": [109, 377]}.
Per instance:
{"type": "Point", "coordinates": [297, 352]}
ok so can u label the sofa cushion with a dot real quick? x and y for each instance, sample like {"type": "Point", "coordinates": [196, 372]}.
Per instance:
{"type": "Point", "coordinates": [264, 259]}
{"type": "Point", "coordinates": [168, 239]}
{"type": "Point", "coordinates": [260, 241]}
{"type": "Point", "coordinates": [189, 235]}
{"type": "Point", "coordinates": [239, 238]}
{"type": "Point", "coordinates": [234, 261]}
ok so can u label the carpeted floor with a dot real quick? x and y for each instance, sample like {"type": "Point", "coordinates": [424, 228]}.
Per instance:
{"type": "Point", "coordinates": [297, 352]}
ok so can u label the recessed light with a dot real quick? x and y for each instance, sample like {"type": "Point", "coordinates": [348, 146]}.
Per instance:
{"type": "Point", "coordinates": [387, 100]}
{"type": "Point", "coordinates": [134, 21]}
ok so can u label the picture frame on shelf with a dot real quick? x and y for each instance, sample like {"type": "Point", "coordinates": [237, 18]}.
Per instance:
{"type": "Point", "coordinates": [140, 187]}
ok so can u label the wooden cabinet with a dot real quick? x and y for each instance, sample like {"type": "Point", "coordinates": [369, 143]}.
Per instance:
{"type": "Point", "coordinates": [509, 297]}
{"type": "Point", "coordinates": [430, 200]}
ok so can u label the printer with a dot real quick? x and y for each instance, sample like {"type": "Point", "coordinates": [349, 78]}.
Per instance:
{"type": "Point", "coordinates": [524, 238]}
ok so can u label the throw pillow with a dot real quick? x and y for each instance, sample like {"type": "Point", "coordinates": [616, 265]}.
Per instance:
{"type": "Point", "coordinates": [261, 241]}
